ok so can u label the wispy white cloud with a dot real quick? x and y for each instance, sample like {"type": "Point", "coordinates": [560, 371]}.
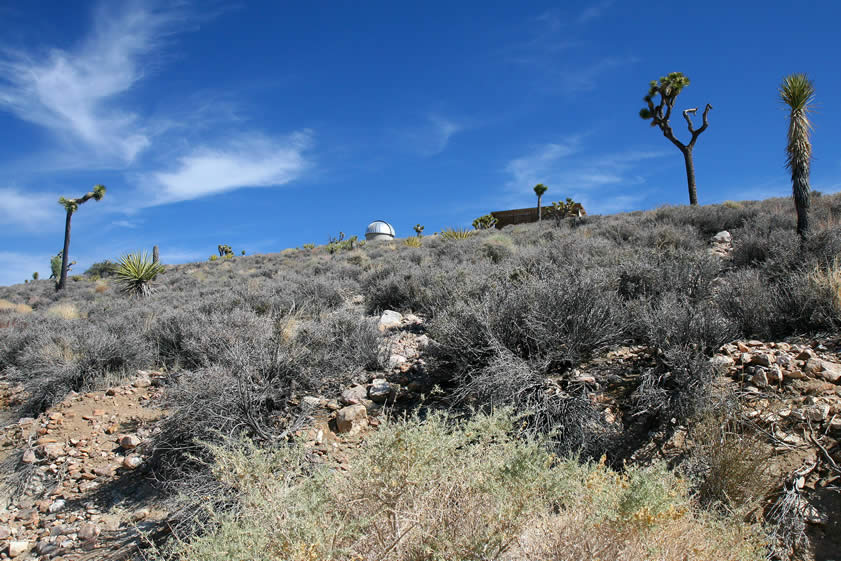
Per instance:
{"type": "Point", "coordinates": [17, 267]}
{"type": "Point", "coordinates": [29, 211]}
{"type": "Point", "coordinates": [593, 11]}
{"type": "Point", "coordinates": [569, 172]}
{"type": "Point", "coordinates": [76, 94]}
{"type": "Point", "coordinates": [249, 161]}
{"type": "Point", "coordinates": [560, 53]}
{"type": "Point", "coordinates": [431, 136]}
{"type": "Point", "coordinates": [126, 223]}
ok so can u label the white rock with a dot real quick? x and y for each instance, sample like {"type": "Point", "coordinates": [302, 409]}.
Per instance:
{"type": "Point", "coordinates": [18, 547]}
{"type": "Point", "coordinates": [351, 419]}
{"type": "Point", "coordinates": [311, 401]}
{"type": "Point", "coordinates": [396, 360]}
{"type": "Point", "coordinates": [57, 505]}
{"type": "Point", "coordinates": [380, 390]}
{"type": "Point", "coordinates": [722, 362]}
{"type": "Point", "coordinates": [29, 457]}
{"type": "Point", "coordinates": [723, 237]}
{"type": "Point", "coordinates": [390, 319]}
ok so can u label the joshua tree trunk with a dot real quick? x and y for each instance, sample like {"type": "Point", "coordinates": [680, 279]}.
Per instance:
{"type": "Point", "coordinates": [155, 255]}
{"type": "Point", "coordinates": [539, 208]}
{"type": "Point", "coordinates": [690, 175]}
{"type": "Point", "coordinates": [64, 256]}
{"type": "Point", "coordinates": [801, 193]}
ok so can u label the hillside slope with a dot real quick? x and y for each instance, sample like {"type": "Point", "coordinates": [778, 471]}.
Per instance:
{"type": "Point", "coordinates": [636, 342]}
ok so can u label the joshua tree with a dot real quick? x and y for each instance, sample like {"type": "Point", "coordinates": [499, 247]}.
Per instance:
{"type": "Point", "coordinates": [797, 92]}
{"type": "Point", "coordinates": [668, 89]}
{"type": "Point", "coordinates": [419, 230]}
{"type": "Point", "coordinates": [539, 189]}
{"type": "Point", "coordinates": [71, 206]}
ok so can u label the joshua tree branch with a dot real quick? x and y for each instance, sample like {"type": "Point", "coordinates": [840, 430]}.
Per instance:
{"type": "Point", "coordinates": [704, 125]}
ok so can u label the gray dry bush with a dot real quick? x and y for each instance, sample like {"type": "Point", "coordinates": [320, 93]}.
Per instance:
{"type": "Point", "coordinates": [511, 315]}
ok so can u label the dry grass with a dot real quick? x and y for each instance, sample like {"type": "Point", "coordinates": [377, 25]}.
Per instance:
{"type": "Point", "coordinates": [64, 310]}
{"type": "Point", "coordinates": [6, 306]}
{"type": "Point", "coordinates": [433, 490]}
{"type": "Point", "coordinates": [827, 280]}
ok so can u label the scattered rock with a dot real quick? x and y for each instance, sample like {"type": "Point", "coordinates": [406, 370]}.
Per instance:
{"type": "Point", "coordinates": [132, 462]}
{"type": "Point", "coordinates": [354, 395]}
{"type": "Point", "coordinates": [723, 237]}
{"type": "Point", "coordinates": [53, 451]}
{"type": "Point", "coordinates": [130, 442]}
{"type": "Point", "coordinates": [390, 319]}
{"type": "Point", "coordinates": [88, 532]}
{"type": "Point", "coordinates": [18, 547]}
{"type": "Point", "coordinates": [380, 391]}
{"type": "Point", "coordinates": [29, 457]}
{"type": "Point", "coordinates": [351, 419]}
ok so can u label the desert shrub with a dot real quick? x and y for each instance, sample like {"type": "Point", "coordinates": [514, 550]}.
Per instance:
{"type": "Point", "coordinates": [413, 242]}
{"type": "Point", "coordinates": [570, 421]}
{"type": "Point", "coordinates": [729, 461]}
{"type": "Point", "coordinates": [434, 490]}
{"type": "Point", "coordinates": [667, 237]}
{"type": "Point", "coordinates": [763, 307]}
{"type": "Point", "coordinates": [550, 318]}
{"type": "Point", "coordinates": [766, 241]}
{"type": "Point", "coordinates": [246, 387]}
{"type": "Point", "coordinates": [59, 357]}
{"type": "Point", "coordinates": [652, 273]}
{"type": "Point", "coordinates": [64, 310]}
{"type": "Point", "coordinates": [679, 387]}
{"type": "Point", "coordinates": [676, 321]}
{"type": "Point", "coordinates": [101, 269]}
{"type": "Point", "coordinates": [497, 248]}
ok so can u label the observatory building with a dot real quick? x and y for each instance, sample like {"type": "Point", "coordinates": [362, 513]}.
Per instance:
{"type": "Point", "coordinates": [379, 230]}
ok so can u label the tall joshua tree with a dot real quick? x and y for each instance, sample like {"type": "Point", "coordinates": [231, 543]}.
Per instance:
{"type": "Point", "coordinates": [797, 92]}
{"type": "Point", "coordinates": [71, 206]}
{"type": "Point", "coordinates": [539, 189]}
{"type": "Point", "coordinates": [668, 88]}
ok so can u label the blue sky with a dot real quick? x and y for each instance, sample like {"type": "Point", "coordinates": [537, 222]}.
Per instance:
{"type": "Point", "coordinates": [267, 125]}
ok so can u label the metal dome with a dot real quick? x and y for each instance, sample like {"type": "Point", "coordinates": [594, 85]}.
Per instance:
{"type": "Point", "coordinates": [380, 227]}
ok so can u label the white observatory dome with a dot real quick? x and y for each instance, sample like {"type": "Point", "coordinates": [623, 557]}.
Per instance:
{"type": "Point", "coordinates": [379, 230]}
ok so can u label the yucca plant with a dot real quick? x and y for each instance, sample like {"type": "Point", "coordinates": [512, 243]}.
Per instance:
{"type": "Point", "coordinates": [456, 233]}
{"type": "Point", "coordinates": [135, 272]}
{"type": "Point", "coordinates": [413, 242]}
{"type": "Point", "coordinates": [797, 92]}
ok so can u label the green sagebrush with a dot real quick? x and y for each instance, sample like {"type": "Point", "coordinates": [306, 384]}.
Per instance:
{"type": "Point", "coordinates": [135, 272]}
